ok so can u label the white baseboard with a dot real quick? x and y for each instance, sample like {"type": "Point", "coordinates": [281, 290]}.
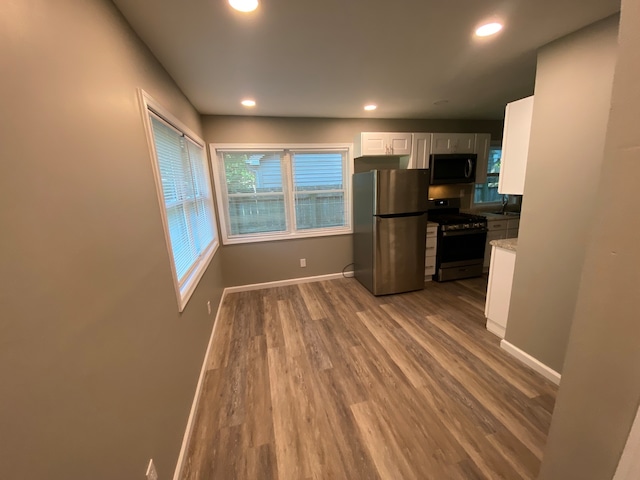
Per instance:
{"type": "Point", "coordinates": [532, 362]}
{"type": "Point", "coordinates": [290, 281]}
{"type": "Point", "coordinates": [196, 399]}
{"type": "Point", "coordinates": [495, 328]}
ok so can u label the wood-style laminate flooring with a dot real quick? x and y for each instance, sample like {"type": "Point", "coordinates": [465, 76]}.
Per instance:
{"type": "Point", "coordinates": [325, 381]}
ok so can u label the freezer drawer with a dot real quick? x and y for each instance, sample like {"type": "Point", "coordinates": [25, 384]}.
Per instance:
{"type": "Point", "coordinates": [399, 253]}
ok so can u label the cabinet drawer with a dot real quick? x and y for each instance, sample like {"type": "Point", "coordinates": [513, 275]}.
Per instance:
{"type": "Point", "coordinates": [432, 230]}
{"type": "Point", "coordinates": [497, 225]}
{"type": "Point", "coordinates": [430, 271]}
{"type": "Point", "coordinates": [431, 244]}
{"type": "Point", "coordinates": [430, 261]}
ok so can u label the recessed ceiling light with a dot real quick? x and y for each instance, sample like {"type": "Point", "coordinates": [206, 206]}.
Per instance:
{"type": "Point", "coordinates": [248, 103]}
{"type": "Point", "coordinates": [370, 107]}
{"type": "Point", "coordinates": [488, 29]}
{"type": "Point", "coordinates": [244, 5]}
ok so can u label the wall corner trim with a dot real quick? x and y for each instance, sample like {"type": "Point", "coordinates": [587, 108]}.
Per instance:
{"type": "Point", "coordinates": [531, 362]}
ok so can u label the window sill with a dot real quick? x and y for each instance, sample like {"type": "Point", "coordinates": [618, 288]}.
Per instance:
{"type": "Point", "coordinates": [191, 283]}
{"type": "Point", "coordinates": [286, 236]}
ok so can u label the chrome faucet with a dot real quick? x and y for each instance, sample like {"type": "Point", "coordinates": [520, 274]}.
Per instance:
{"type": "Point", "coordinates": [505, 201]}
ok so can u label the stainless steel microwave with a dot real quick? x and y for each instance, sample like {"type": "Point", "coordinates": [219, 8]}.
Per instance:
{"type": "Point", "coordinates": [450, 168]}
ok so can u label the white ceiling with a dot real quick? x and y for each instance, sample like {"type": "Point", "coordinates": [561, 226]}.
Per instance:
{"type": "Point", "coordinates": [327, 58]}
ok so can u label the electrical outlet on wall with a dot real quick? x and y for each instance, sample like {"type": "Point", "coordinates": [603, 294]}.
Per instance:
{"type": "Point", "coordinates": [151, 471]}
{"type": "Point", "coordinates": [303, 262]}
{"type": "Point", "coordinates": [209, 307]}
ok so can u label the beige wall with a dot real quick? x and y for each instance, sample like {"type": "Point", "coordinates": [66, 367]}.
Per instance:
{"type": "Point", "coordinates": [600, 389]}
{"type": "Point", "coordinates": [570, 113]}
{"type": "Point", "coordinates": [97, 368]}
{"type": "Point", "coordinates": [270, 261]}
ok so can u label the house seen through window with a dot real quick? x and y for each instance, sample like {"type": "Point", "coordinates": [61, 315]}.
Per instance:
{"type": "Point", "coordinates": [488, 192]}
{"type": "Point", "coordinates": [267, 194]}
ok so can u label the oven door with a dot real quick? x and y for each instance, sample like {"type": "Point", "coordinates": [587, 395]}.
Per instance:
{"type": "Point", "coordinates": [461, 247]}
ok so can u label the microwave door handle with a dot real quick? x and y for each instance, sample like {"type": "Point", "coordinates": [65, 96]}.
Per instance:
{"type": "Point", "coordinates": [469, 168]}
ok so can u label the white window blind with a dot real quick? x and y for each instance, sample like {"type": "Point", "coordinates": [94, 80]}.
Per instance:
{"type": "Point", "coordinates": [276, 193]}
{"type": "Point", "coordinates": [318, 182]}
{"type": "Point", "coordinates": [188, 203]}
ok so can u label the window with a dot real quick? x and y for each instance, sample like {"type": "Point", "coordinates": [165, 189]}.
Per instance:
{"type": "Point", "coordinates": [184, 191]}
{"type": "Point", "coordinates": [278, 192]}
{"type": "Point", "coordinates": [488, 192]}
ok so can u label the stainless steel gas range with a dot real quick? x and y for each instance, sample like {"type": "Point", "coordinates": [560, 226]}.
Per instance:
{"type": "Point", "coordinates": [461, 240]}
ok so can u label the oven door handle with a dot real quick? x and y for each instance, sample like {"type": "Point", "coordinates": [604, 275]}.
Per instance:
{"type": "Point", "coordinates": [468, 168]}
{"type": "Point", "coordinates": [457, 233]}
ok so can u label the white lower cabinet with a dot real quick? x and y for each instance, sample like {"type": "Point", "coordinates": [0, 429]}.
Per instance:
{"type": "Point", "coordinates": [430, 251]}
{"type": "Point", "coordinates": [499, 228]}
{"type": "Point", "coordinates": [496, 309]}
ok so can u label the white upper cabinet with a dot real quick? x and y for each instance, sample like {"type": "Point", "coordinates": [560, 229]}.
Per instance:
{"type": "Point", "coordinates": [420, 148]}
{"type": "Point", "coordinates": [382, 143]}
{"type": "Point", "coordinates": [515, 146]}
{"type": "Point", "coordinates": [453, 142]}
{"type": "Point", "coordinates": [482, 144]}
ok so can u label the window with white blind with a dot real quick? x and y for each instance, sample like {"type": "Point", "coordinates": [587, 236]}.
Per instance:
{"type": "Point", "coordinates": [184, 191]}
{"type": "Point", "coordinates": [277, 192]}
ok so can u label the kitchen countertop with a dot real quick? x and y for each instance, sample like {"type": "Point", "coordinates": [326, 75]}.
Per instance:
{"type": "Point", "coordinates": [506, 243]}
{"type": "Point", "coordinates": [494, 216]}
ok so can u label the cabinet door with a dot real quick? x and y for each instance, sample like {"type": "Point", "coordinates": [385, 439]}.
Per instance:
{"type": "Point", "coordinates": [399, 143]}
{"type": "Point", "coordinates": [499, 290]}
{"type": "Point", "coordinates": [373, 143]}
{"type": "Point", "coordinates": [482, 143]}
{"type": "Point", "coordinates": [515, 146]}
{"type": "Point", "coordinates": [453, 142]}
{"type": "Point", "coordinates": [383, 143]}
{"type": "Point", "coordinates": [420, 148]}
{"type": "Point", "coordinates": [492, 235]}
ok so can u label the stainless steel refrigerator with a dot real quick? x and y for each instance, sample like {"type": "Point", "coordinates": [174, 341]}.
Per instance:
{"type": "Point", "coordinates": [390, 225]}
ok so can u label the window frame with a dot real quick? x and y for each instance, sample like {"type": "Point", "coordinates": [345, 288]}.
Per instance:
{"type": "Point", "coordinates": [184, 290]}
{"type": "Point", "coordinates": [217, 167]}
